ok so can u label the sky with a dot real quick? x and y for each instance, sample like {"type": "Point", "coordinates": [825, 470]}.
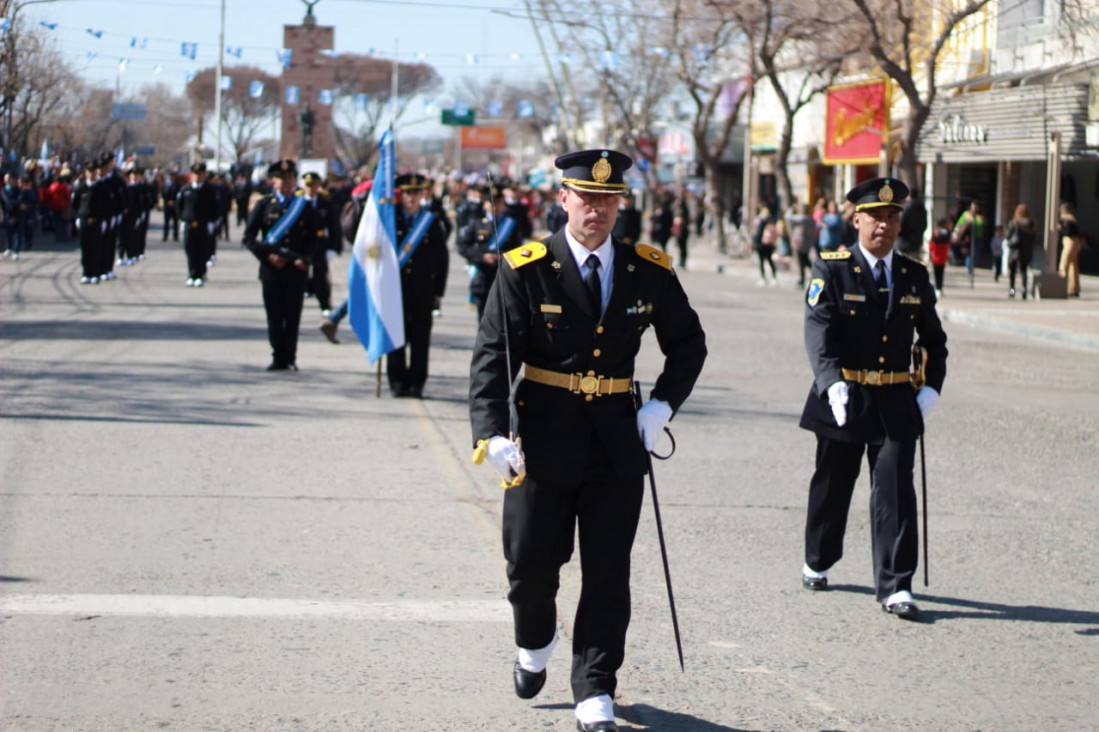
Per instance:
{"type": "Point", "coordinates": [130, 43]}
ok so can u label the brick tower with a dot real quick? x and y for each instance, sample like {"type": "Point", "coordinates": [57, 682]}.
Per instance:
{"type": "Point", "coordinates": [311, 73]}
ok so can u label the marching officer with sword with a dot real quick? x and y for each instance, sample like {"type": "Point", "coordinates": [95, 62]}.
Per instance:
{"type": "Point", "coordinates": [565, 433]}
{"type": "Point", "coordinates": [865, 310]}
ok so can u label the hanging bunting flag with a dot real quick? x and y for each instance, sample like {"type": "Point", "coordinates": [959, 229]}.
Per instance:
{"type": "Point", "coordinates": [610, 60]}
{"type": "Point", "coordinates": [701, 52]}
{"type": "Point", "coordinates": [226, 83]}
{"type": "Point", "coordinates": [96, 33]}
{"type": "Point", "coordinates": [565, 59]}
{"type": "Point", "coordinates": [324, 96]}
{"type": "Point", "coordinates": [525, 108]}
{"type": "Point", "coordinates": [51, 26]}
{"type": "Point", "coordinates": [189, 50]}
{"type": "Point", "coordinates": [255, 89]}
{"type": "Point", "coordinates": [293, 95]}
{"type": "Point", "coordinates": [659, 51]}
{"type": "Point", "coordinates": [420, 56]}
{"type": "Point", "coordinates": [89, 57]}
{"type": "Point", "coordinates": [330, 53]}
{"type": "Point", "coordinates": [460, 109]}
{"type": "Point", "coordinates": [123, 63]}
{"type": "Point", "coordinates": [493, 108]}
{"type": "Point", "coordinates": [516, 57]}
{"type": "Point", "coordinates": [284, 55]}
{"type": "Point", "coordinates": [472, 59]}
{"type": "Point", "coordinates": [190, 76]}
{"type": "Point", "coordinates": [157, 69]}
{"type": "Point", "coordinates": [361, 100]}
{"type": "Point", "coordinates": [237, 51]}
{"type": "Point", "coordinates": [141, 43]}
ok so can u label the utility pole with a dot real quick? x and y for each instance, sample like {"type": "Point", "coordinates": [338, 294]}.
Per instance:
{"type": "Point", "coordinates": [217, 88]}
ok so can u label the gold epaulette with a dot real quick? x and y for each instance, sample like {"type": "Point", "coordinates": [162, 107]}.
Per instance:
{"type": "Point", "coordinates": [654, 255]}
{"type": "Point", "coordinates": [835, 255]}
{"type": "Point", "coordinates": [529, 252]}
{"type": "Point", "coordinates": [299, 192]}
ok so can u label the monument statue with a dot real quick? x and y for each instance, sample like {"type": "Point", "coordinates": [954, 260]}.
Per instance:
{"type": "Point", "coordinates": [307, 122]}
{"type": "Point", "coordinates": [309, 10]}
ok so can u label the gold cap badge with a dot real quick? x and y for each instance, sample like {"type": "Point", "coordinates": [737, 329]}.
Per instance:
{"type": "Point", "coordinates": [885, 195]}
{"type": "Point", "coordinates": [601, 171]}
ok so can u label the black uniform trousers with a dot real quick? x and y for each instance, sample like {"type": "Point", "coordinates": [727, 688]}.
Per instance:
{"type": "Point", "coordinates": [282, 299]}
{"type": "Point", "coordinates": [91, 244]}
{"type": "Point", "coordinates": [319, 283]}
{"type": "Point", "coordinates": [171, 222]}
{"type": "Point", "coordinates": [197, 245]}
{"type": "Point", "coordinates": [894, 528]}
{"type": "Point", "coordinates": [539, 521]}
{"type": "Point", "coordinates": [406, 368]}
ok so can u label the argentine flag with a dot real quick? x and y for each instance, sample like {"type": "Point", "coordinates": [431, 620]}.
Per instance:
{"type": "Point", "coordinates": [375, 309]}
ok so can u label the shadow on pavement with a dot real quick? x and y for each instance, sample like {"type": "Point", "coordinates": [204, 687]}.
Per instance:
{"type": "Point", "coordinates": [113, 330]}
{"type": "Point", "coordinates": [660, 719]}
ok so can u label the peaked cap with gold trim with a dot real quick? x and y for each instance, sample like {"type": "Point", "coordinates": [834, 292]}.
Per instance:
{"type": "Point", "coordinates": [594, 171]}
{"type": "Point", "coordinates": [877, 193]}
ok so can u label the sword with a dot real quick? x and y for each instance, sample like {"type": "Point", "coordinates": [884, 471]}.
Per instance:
{"type": "Point", "coordinates": [660, 534]}
{"type": "Point", "coordinates": [918, 377]}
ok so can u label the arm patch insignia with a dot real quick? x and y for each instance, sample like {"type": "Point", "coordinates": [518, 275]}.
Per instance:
{"type": "Point", "coordinates": [816, 286]}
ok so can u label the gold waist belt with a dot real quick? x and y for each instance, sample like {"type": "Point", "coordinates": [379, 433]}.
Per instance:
{"type": "Point", "coordinates": [877, 378]}
{"type": "Point", "coordinates": [578, 383]}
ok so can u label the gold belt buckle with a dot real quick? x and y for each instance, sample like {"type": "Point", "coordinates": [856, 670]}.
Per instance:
{"type": "Point", "coordinates": [584, 384]}
{"type": "Point", "coordinates": [873, 378]}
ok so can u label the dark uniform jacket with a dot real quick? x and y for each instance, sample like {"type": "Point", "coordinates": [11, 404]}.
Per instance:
{"type": "Point", "coordinates": [423, 278]}
{"type": "Point", "coordinates": [328, 225]}
{"type": "Point", "coordinates": [298, 243]}
{"type": "Point", "coordinates": [553, 325]}
{"type": "Point", "coordinates": [844, 330]}
{"type": "Point", "coordinates": [198, 205]}
{"type": "Point", "coordinates": [477, 239]}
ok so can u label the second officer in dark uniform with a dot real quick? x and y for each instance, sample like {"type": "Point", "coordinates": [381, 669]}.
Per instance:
{"type": "Point", "coordinates": [424, 265]}
{"type": "Point", "coordinates": [282, 233]}
{"type": "Point", "coordinates": [865, 309]}
{"type": "Point", "coordinates": [478, 243]}
{"type": "Point", "coordinates": [573, 310]}
{"type": "Point", "coordinates": [198, 210]}
{"type": "Point", "coordinates": [329, 243]}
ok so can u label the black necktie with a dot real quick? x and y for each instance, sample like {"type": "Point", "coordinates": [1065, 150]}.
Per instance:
{"type": "Point", "coordinates": [879, 275]}
{"type": "Point", "coordinates": [595, 287]}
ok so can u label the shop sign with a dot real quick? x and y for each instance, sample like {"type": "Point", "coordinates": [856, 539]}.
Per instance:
{"type": "Point", "coordinates": [953, 129]}
{"type": "Point", "coordinates": [484, 138]}
{"type": "Point", "coordinates": [857, 120]}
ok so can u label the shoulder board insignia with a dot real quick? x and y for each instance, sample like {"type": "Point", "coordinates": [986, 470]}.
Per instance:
{"type": "Point", "coordinates": [654, 255]}
{"type": "Point", "coordinates": [835, 255]}
{"type": "Point", "coordinates": [529, 252]}
{"type": "Point", "coordinates": [299, 192]}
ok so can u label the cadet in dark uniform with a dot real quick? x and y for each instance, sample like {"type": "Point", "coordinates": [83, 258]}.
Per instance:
{"type": "Point", "coordinates": [91, 204]}
{"type": "Point", "coordinates": [865, 307]}
{"type": "Point", "coordinates": [328, 241]}
{"type": "Point", "coordinates": [575, 309]}
{"type": "Point", "coordinates": [198, 210]}
{"type": "Point", "coordinates": [112, 179]}
{"type": "Point", "coordinates": [282, 233]}
{"type": "Point", "coordinates": [423, 282]}
{"type": "Point", "coordinates": [477, 242]}
{"type": "Point", "coordinates": [168, 195]}
{"type": "Point", "coordinates": [627, 226]}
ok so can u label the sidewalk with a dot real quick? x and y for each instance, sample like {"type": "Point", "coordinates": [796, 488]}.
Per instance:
{"type": "Point", "coordinates": [1073, 322]}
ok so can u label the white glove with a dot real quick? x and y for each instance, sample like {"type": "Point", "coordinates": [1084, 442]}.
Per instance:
{"type": "Point", "coordinates": [211, 226]}
{"type": "Point", "coordinates": [329, 255]}
{"type": "Point", "coordinates": [651, 420]}
{"type": "Point", "coordinates": [837, 399]}
{"type": "Point", "coordinates": [505, 456]}
{"type": "Point", "coordinates": [78, 224]}
{"type": "Point", "coordinates": [103, 227]}
{"type": "Point", "coordinates": [926, 398]}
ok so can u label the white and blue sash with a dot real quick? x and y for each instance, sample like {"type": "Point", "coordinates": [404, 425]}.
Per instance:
{"type": "Point", "coordinates": [293, 213]}
{"type": "Point", "coordinates": [415, 235]}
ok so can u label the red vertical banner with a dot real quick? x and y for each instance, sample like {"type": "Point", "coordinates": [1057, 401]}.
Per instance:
{"type": "Point", "coordinates": [857, 122]}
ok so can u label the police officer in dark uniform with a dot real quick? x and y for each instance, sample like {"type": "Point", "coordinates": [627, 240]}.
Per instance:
{"type": "Point", "coordinates": [91, 205]}
{"type": "Point", "coordinates": [328, 240]}
{"type": "Point", "coordinates": [423, 282]}
{"type": "Point", "coordinates": [112, 179]}
{"type": "Point", "coordinates": [865, 309]}
{"type": "Point", "coordinates": [282, 233]}
{"type": "Point", "coordinates": [198, 210]}
{"type": "Point", "coordinates": [478, 243]}
{"type": "Point", "coordinates": [168, 194]}
{"type": "Point", "coordinates": [573, 310]}
{"type": "Point", "coordinates": [627, 226]}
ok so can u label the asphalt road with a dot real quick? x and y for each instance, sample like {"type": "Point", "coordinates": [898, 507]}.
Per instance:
{"type": "Point", "coordinates": [188, 542]}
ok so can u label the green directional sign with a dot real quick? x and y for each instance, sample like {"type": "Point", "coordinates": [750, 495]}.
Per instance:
{"type": "Point", "coordinates": [459, 120]}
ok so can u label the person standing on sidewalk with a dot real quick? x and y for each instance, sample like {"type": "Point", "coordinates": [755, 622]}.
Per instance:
{"type": "Point", "coordinates": [1022, 232]}
{"type": "Point", "coordinates": [572, 310]}
{"type": "Point", "coordinates": [865, 308]}
{"type": "Point", "coordinates": [939, 250]}
{"type": "Point", "coordinates": [1071, 240]}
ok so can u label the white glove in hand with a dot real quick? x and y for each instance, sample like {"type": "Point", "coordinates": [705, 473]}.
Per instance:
{"type": "Point", "coordinates": [837, 398]}
{"type": "Point", "coordinates": [652, 418]}
{"type": "Point", "coordinates": [329, 255]}
{"type": "Point", "coordinates": [505, 456]}
{"type": "Point", "coordinates": [926, 398]}
{"type": "Point", "coordinates": [211, 226]}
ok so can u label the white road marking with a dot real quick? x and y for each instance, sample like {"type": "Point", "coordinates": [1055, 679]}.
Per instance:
{"type": "Point", "coordinates": [196, 606]}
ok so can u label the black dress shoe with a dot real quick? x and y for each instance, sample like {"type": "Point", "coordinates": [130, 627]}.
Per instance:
{"type": "Point", "coordinates": [416, 392]}
{"type": "Point", "coordinates": [903, 610]}
{"type": "Point", "coordinates": [276, 366]}
{"type": "Point", "coordinates": [528, 683]}
{"type": "Point", "coordinates": [814, 583]}
{"type": "Point", "coordinates": [607, 726]}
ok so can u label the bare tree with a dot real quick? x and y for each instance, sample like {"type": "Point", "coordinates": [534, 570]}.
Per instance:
{"type": "Point", "coordinates": [356, 74]}
{"type": "Point", "coordinates": [243, 114]}
{"type": "Point", "coordinates": [798, 54]}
